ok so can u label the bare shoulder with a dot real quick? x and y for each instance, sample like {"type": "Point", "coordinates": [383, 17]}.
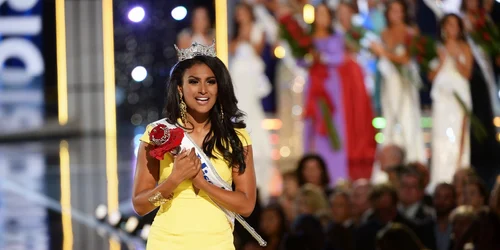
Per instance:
{"type": "Point", "coordinates": [464, 46]}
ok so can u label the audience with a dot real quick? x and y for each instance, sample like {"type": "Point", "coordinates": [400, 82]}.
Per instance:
{"type": "Point", "coordinates": [460, 179]}
{"type": "Point", "coordinates": [411, 196]}
{"type": "Point", "coordinates": [311, 201]}
{"type": "Point", "coordinates": [445, 200]}
{"type": "Point", "coordinates": [290, 191]}
{"type": "Point", "coordinates": [396, 236]}
{"type": "Point", "coordinates": [360, 204]}
{"type": "Point", "coordinates": [340, 232]}
{"type": "Point", "coordinates": [395, 214]}
{"type": "Point", "coordinates": [306, 234]}
{"type": "Point", "coordinates": [312, 169]}
{"type": "Point", "coordinates": [384, 201]}
{"type": "Point", "coordinates": [475, 194]}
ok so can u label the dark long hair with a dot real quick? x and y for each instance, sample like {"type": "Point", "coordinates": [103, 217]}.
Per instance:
{"type": "Point", "coordinates": [325, 179]}
{"type": "Point", "coordinates": [406, 17]}
{"type": "Point", "coordinates": [480, 5]}
{"type": "Point", "coordinates": [331, 29]}
{"type": "Point", "coordinates": [249, 8]}
{"type": "Point", "coordinates": [461, 26]}
{"type": "Point", "coordinates": [222, 135]}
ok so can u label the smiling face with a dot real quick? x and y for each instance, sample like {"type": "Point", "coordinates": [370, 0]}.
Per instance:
{"type": "Point", "coordinates": [243, 14]}
{"type": "Point", "coordinates": [323, 17]}
{"type": "Point", "coordinates": [201, 20]}
{"type": "Point", "coordinates": [396, 13]}
{"type": "Point", "coordinates": [451, 28]}
{"type": "Point", "coordinates": [199, 89]}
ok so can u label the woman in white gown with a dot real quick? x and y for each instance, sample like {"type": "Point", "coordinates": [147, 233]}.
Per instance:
{"type": "Point", "coordinates": [251, 85]}
{"type": "Point", "coordinates": [450, 126]}
{"type": "Point", "coordinates": [400, 79]}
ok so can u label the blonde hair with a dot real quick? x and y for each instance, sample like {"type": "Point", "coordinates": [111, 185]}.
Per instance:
{"type": "Point", "coordinates": [314, 198]}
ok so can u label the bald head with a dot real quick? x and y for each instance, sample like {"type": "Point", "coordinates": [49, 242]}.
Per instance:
{"type": "Point", "coordinates": [391, 156]}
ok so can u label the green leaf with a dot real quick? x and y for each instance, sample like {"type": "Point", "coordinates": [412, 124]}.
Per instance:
{"type": "Point", "coordinates": [332, 133]}
{"type": "Point", "coordinates": [478, 130]}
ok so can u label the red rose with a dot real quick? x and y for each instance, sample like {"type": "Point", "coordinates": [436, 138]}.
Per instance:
{"type": "Point", "coordinates": [420, 48]}
{"type": "Point", "coordinates": [305, 42]}
{"type": "Point", "coordinates": [355, 35]}
{"type": "Point", "coordinates": [419, 59]}
{"type": "Point", "coordinates": [486, 36]}
{"type": "Point", "coordinates": [164, 140]}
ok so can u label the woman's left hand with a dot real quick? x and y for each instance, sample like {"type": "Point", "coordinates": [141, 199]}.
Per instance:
{"type": "Point", "coordinates": [198, 180]}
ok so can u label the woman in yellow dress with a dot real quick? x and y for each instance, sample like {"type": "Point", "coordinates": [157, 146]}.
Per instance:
{"type": "Point", "coordinates": [201, 100]}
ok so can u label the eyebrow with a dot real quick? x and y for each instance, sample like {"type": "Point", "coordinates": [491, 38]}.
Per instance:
{"type": "Point", "coordinates": [199, 79]}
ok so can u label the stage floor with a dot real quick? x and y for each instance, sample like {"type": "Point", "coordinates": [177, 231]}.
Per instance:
{"type": "Point", "coordinates": [49, 191]}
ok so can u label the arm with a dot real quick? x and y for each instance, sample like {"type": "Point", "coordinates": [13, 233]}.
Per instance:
{"type": "Point", "coordinates": [145, 179]}
{"type": "Point", "coordinates": [442, 56]}
{"type": "Point", "coordinates": [399, 59]}
{"type": "Point", "coordinates": [433, 6]}
{"type": "Point", "coordinates": [259, 46]}
{"type": "Point", "coordinates": [147, 175]}
{"type": "Point", "coordinates": [232, 46]}
{"type": "Point", "coordinates": [184, 40]}
{"type": "Point", "coordinates": [465, 69]}
{"type": "Point", "coordinates": [242, 199]}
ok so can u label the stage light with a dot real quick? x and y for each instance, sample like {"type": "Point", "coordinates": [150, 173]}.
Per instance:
{"type": "Point", "coordinates": [496, 121]}
{"type": "Point", "coordinates": [285, 151]}
{"type": "Point", "coordinates": [279, 52]}
{"type": "Point", "coordinates": [378, 122]}
{"type": "Point", "coordinates": [132, 225]}
{"type": "Point", "coordinates": [101, 211]}
{"type": "Point", "coordinates": [139, 73]}
{"type": "Point", "coordinates": [179, 13]}
{"type": "Point", "coordinates": [136, 14]}
{"type": "Point", "coordinates": [115, 219]}
{"type": "Point", "coordinates": [308, 13]}
{"type": "Point", "coordinates": [379, 138]}
{"type": "Point", "coordinates": [145, 231]}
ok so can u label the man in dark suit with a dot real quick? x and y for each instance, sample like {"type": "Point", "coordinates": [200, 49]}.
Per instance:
{"type": "Point", "coordinates": [384, 200]}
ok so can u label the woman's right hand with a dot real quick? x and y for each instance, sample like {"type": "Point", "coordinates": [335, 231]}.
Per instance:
{"type": "Point", "coordinates": [441, 53]}
{"type": "Point", "coordinates": [186, 165]}
{"type": "Point", "coordinates": [377, 49]}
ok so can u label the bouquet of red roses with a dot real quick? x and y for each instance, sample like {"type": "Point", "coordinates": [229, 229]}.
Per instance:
{"type": "Point", "coordinates": [423, 49]}
{"type": "Point", "coordinates": [486, 35]}
{"type": "Point", "coordinates": [353, 37]}
{"type": "Point", "coordinates": [165, 140]}
{"type": "Point", "coordinates": [300, 42]}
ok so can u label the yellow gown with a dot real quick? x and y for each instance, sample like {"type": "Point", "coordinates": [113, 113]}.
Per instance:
{"type": "Point", "coordinates": [191, 221]}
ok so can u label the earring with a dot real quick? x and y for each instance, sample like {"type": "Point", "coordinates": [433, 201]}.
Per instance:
{"type": "Point", "coordinates": [182, 106]}
{"type": "Point", "coordinates": [221, 112]}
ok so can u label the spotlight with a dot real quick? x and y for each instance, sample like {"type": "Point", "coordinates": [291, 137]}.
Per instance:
{"type": "Point", "coordinates": [115, 219]}
{"type": "Point", "coordinates": [101, 212]}
{"type": "Point", "coordinates": [136, 14]}
{"type": "Point", "coordinates": [132, 225]}
{"type": "Point", "coordinates": [139, 73]}
{"type": "Point", "coordinates": [179, 13]}
{"type": "Point", "coordinates": [145, 231]}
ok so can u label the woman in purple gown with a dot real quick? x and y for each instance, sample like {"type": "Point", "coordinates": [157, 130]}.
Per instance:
{"type": "Point", "coordinates": [324, 84]}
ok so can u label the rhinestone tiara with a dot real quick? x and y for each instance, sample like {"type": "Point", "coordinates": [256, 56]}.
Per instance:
{"type": "Point", "coordinates": [196, 49]}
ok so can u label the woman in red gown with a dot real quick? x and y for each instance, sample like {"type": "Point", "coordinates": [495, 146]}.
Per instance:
{"type": "Point", "coordinates": [358, 109]}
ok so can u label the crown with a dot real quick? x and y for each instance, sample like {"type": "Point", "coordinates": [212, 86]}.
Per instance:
{"type": "Point", "coordinates": [196, 49]}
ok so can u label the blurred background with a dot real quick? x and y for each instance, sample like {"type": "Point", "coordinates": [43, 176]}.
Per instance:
{"type": "Point", "coordinates": [81, 79]}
